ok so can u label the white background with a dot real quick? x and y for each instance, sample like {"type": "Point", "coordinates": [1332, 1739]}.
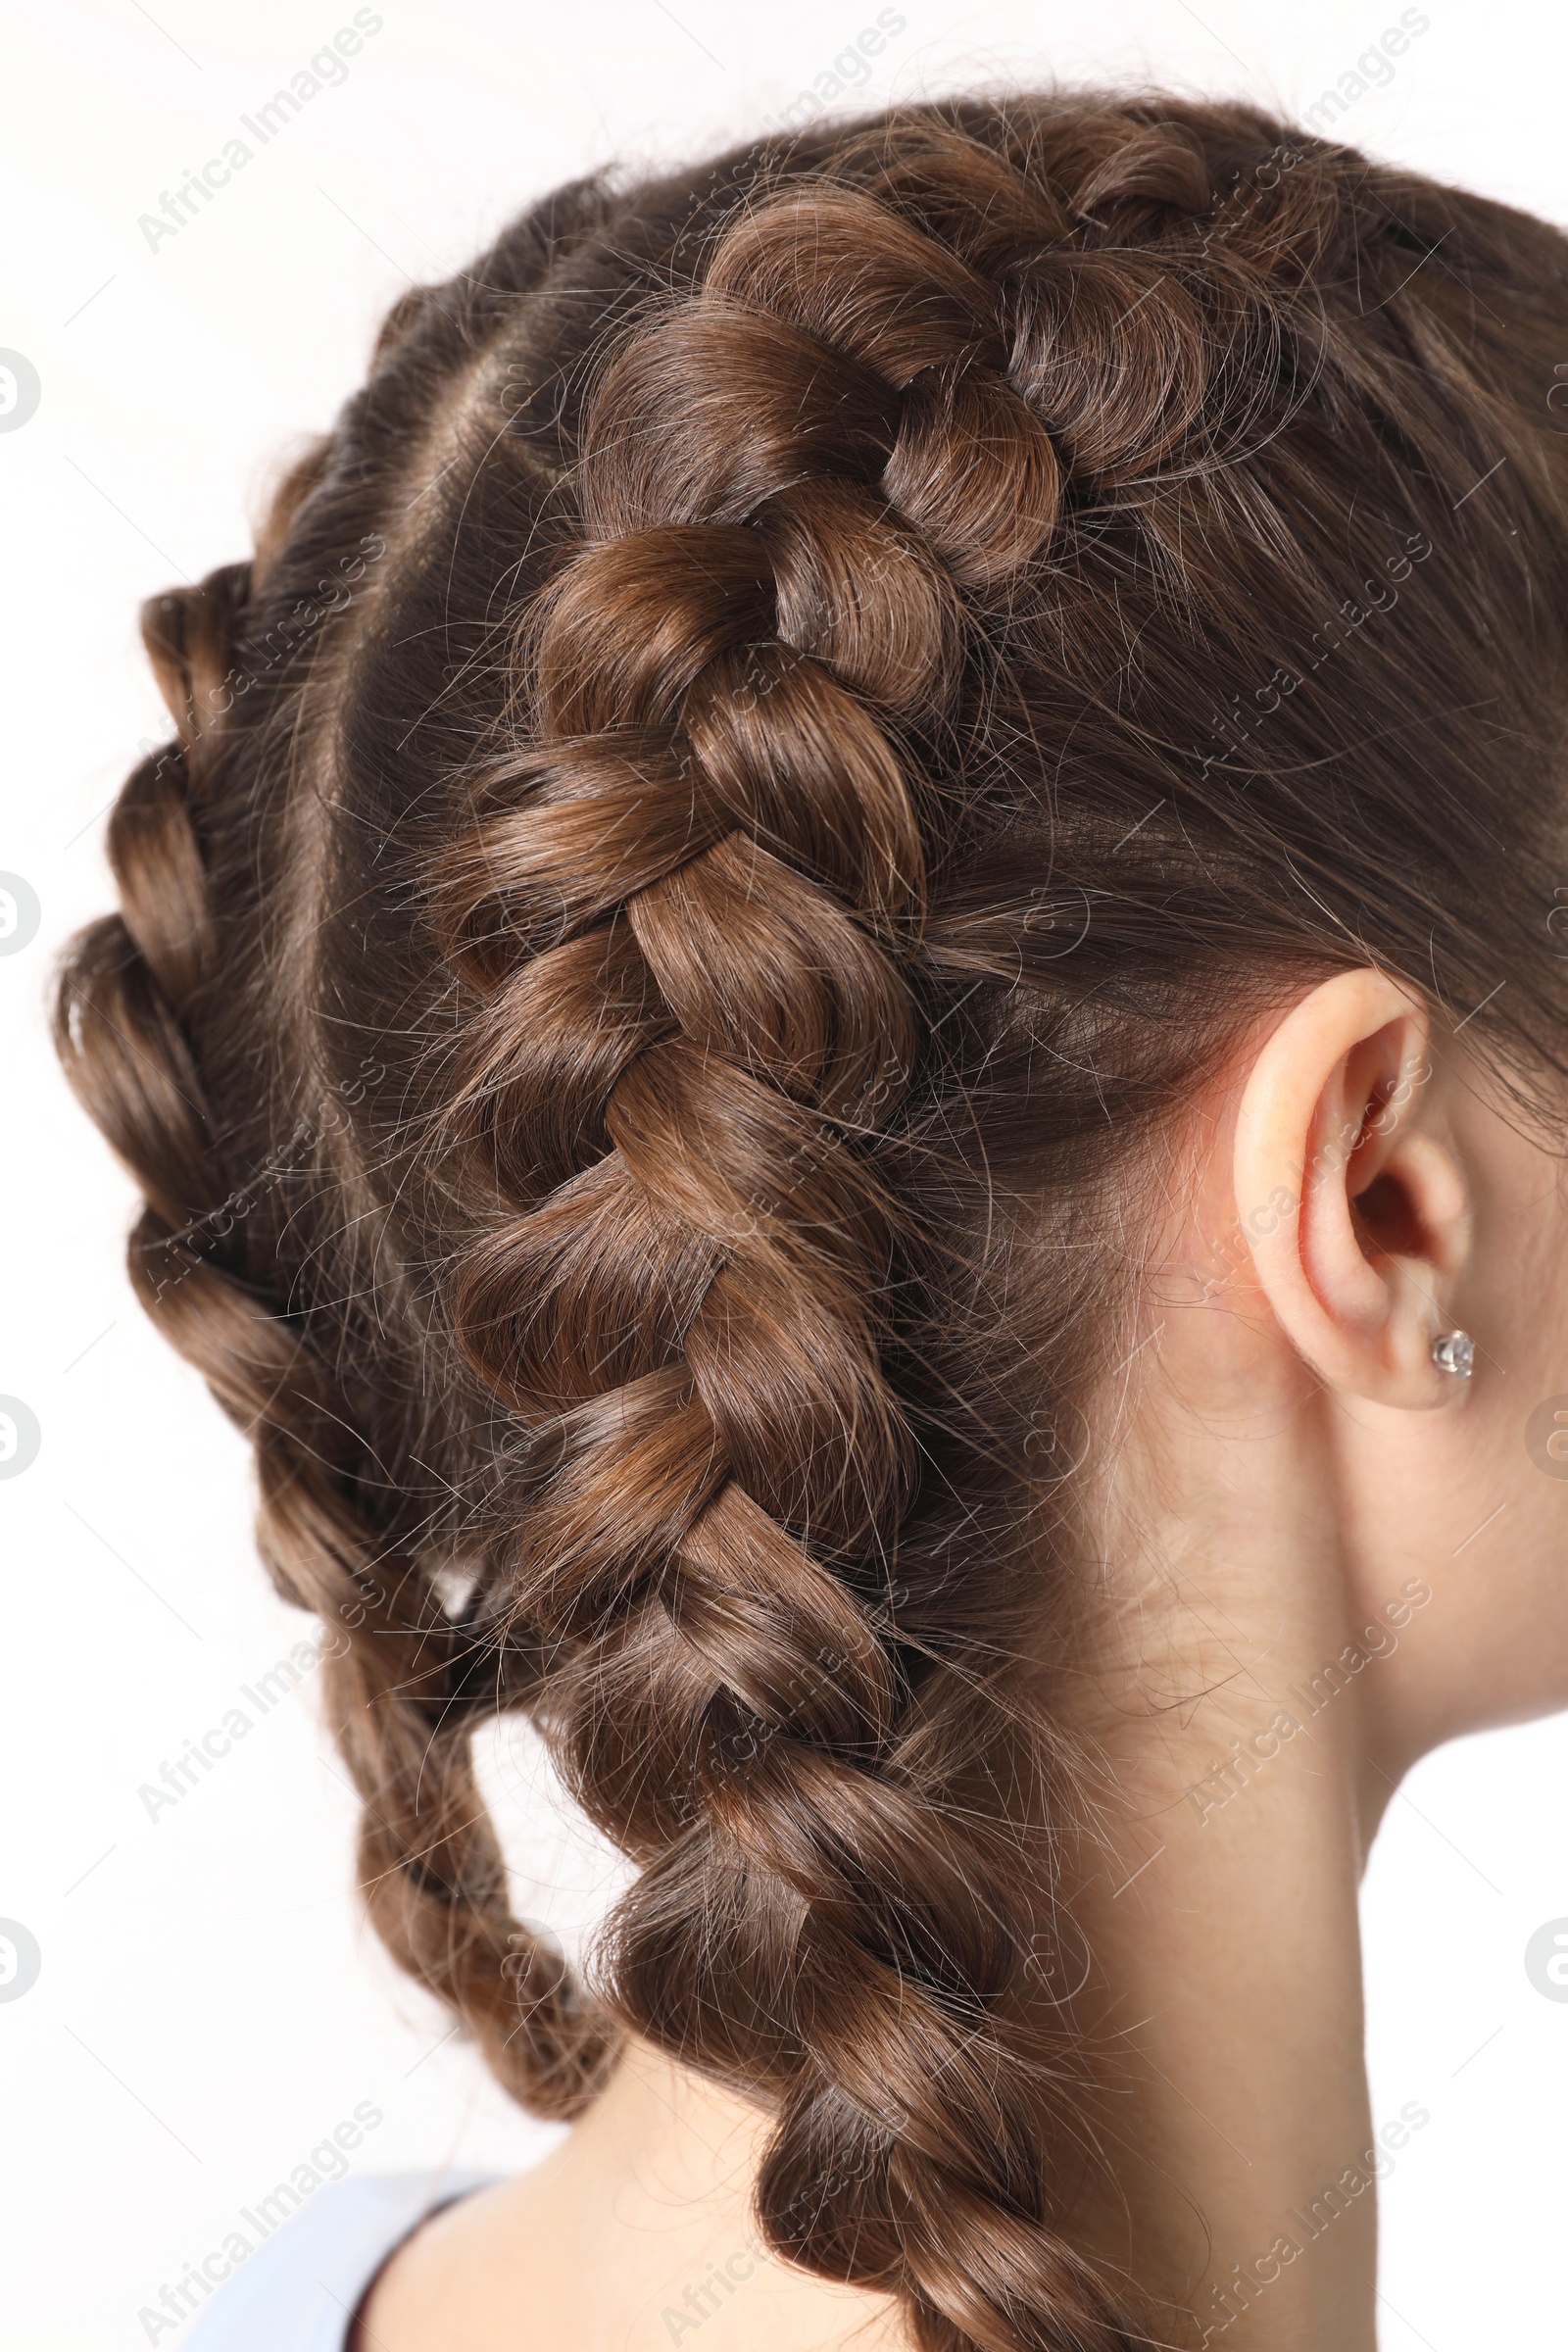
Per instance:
{"type": "Point", "coordinates": [209, 2007]}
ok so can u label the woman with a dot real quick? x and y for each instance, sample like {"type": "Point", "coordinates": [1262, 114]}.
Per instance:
{"type": "Point", "coordinates": [842, 1022]}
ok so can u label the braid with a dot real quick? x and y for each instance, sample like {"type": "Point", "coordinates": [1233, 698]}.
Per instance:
{"type": "Point", "coordinates": [398, 1695]}
{"type": "Point", "coordinates": [780, 597]}
{"type": "Point", "coordinates": [693, 901]}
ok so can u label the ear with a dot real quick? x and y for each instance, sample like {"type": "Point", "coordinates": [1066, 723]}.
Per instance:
{"type": "Point", "coordinates": [1352, 1203]}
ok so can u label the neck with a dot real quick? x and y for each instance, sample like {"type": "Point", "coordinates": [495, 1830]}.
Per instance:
{"type": "Point", "coordinates": [1230, 1807]}
{"type": "Point", "coordinates": [636, 2233]}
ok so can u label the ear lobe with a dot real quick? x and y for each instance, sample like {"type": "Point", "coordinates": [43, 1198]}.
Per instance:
{"type": "Point", "coordinates": [1367, 1213]}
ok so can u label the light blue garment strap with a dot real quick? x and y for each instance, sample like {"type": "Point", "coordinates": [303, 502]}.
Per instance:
{"type": "Point", "coordinates": [299, 2291]}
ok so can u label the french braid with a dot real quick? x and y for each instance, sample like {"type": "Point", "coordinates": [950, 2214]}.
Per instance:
{"type": "Point", "coordinates": [394, 1673]}
{"type": "Point", "coordinates": [724, 899]}
{"type": "Point", "coordinates": [715, 854]}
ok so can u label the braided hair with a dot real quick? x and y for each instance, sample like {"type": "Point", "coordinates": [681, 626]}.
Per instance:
{"type": "Point", "coordinates": [748, 779]}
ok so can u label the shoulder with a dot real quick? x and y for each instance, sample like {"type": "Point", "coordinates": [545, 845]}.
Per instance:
{"type": "Point", "coordinates": [298, 2291]}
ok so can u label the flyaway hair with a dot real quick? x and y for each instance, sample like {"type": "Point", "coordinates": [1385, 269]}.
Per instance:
{"type": "Point", "coordinates": [749, 779]}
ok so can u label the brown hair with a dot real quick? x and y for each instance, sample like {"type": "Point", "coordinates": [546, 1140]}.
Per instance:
{"type": "Point", "coordinates": [749, 779]}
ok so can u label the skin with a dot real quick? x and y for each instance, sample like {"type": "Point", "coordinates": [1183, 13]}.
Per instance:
{"type": "Point", "coordinates": [1284, 1474]}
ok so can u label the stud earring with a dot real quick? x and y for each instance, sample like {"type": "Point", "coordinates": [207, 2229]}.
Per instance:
{"type": "Point", "coordinates": [1455, 1351]}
